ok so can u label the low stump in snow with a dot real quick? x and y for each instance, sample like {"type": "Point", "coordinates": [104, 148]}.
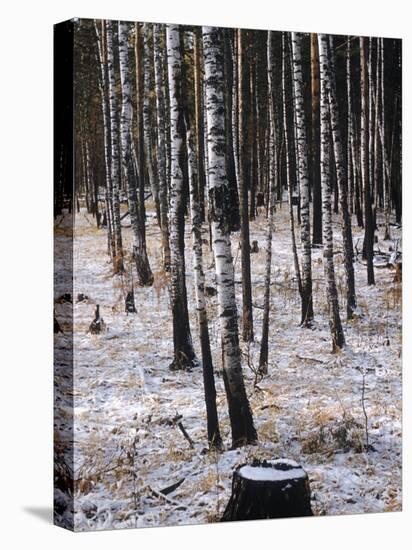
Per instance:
{"type": "Point", "coordinates": [268, 489]}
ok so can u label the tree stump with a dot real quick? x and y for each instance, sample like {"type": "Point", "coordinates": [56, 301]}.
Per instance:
{"type": "Point", "coordinates": [255, 247]}
{"type": "Point", "coordinates": [129, 302]}
{"type": "Point", "coordinates": [97, 325]}
{"type": "Point", "coordinates": [262, 490]}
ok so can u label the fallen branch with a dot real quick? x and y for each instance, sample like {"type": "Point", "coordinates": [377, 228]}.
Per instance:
{"type": "Point", "coordinates": [160, 496]}
{"type": "Point", "coordinates": [310, 359]}
{"type": "Point", "coordinates": [171, 488]}
{"type": "Point", "coordinates": [177, 421]}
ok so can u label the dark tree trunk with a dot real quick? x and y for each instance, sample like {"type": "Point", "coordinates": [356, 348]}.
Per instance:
{"type": "Point", "coordinates": [369, 222]}
{"type": "Point", "coordinates": [317, 193]}
{"type": "Point", "coordinates": [247, 314]}
{"type": "Point", "coordinates": [199, 122]}
{"type": "Point", "coordinates": [234, 214]}
{"type": "Point", "coordinates": [341, 180]}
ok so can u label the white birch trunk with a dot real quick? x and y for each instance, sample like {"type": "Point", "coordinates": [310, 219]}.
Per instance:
{"type": "Point", "coordinates": [264, 348]}
{"type": "Point", "coordinates": [111, 244]}
{"type": "Point", "coordinates": [241, 420]}
{"type": "Point", "coordinates": [369, 222]}
{"type": "Point", "coordinates": [147, 121]}
{"type": "Point", "coordinates": [214, 437]}
{"type": "Point", "coordinates": [115, 157]}
{"type": "Point", "coordinates": [161, 142]}
{"type": "Point", "coordinates": [184, 356]}
{"type": "Point", "coordinates": [288, 168]}
{"type": "Point", "coordinates": [327, 228]}
{"type": "Point", "coordinates": [144, 273]}
{"type": "Point", "coordinates": [302, 151]}
{"type": "Point", "coordinates": [328, 73]}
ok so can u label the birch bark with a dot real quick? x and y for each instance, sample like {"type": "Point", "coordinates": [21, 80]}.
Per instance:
{"type": "Point", "coordinates": [161, 142]}
{"type": "Point", "coordinates": [247, 313]}
{"type": "Point", "coordinates": [240, 414]}
{"type": "Point", "coordinates": [369, 223]}
{"type": "Point", "coordinates": [150, 159]}
{"type": "Point", "coordinates": [264, 347]}
{"type": "Point", "coordinates": [115, 157]}
{"type": "Point", "coordinates": [101, 50]}
{"type": "Point", "coordinates": [184, 355]}
{"type": "Point", "coordinates": [335, 324]}
{"type": "Point", "coordinates": [341, 171]}
{"type": "Point", "coordinates": [213, 433]}
{"type": "Point", "coordinates": [302, 150]}
{"type": "Point", "coordinates": [144, 273]}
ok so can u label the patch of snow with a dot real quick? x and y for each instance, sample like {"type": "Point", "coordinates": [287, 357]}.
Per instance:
{"type": "Point", "coordinates": [261, 473]}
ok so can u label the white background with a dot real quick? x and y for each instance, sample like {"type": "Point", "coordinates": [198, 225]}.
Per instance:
{"type": "Point", "coordinates": [26, 271]}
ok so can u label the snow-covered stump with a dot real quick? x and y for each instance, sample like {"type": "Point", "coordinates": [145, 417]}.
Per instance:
{"type": "Point", "coordinates": [262, 490]}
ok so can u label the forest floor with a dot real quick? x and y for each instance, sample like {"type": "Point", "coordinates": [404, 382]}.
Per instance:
{"type": "Point", "coordinates": [308, 408]}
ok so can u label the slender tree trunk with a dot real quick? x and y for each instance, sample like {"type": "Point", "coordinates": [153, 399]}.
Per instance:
{"type": "Point", "coordinates": [329, 75]}
{"type": "Point", "coordinates": [264, 346]}
{"type": "Point", "coordinates": [161, 142]}
{"type": "Point", "coordinates": [241, 419]}
{"type": "Point", "coordinates": [144, 273]}
{"type": "Point", "coordinates": [247, 314]}
{"type": "Point", "coordinates": [317, 194]}
{"type": "Point", "coordinates": [251, 135]}
{"type": "Point", "coordinates": [371, 121]}
{"type": "Point", "coordinates": [377, 161]}
{"type": "Point", "coordinates": [307, 303]}
{"type": "Point", "coordinates": [327, 105]}
{"type": "Point", "coordinates": [115, 156]}
{"type": "Point", "coordinates": [198, 78]}
{"type": "Point", "coordinates": [101, 50]}
{"type": "Point", "coordinates": [369, 222]}
{"type": "Point", "coordinates": [350, 161]}
{"type": "Point", "coordinates": [147, 121]}
{"type": "Point", "coordinates": [288, 167]}
{"type": "Point", "coordinates": [384, 154]}
{"type": "Point", "coordinates": [213, 433]}
{"type": "Point", "coordinates": [184, 355]}
{"type": "Point", "coordinates": [230, 158]}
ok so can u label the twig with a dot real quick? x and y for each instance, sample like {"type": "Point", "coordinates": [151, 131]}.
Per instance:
{"type": "Point", "coordinates": [168, 500]}
{"type": "Point", "coordinates": [310, 359]}
{"type": "Point", "coordinates": [364, 410]}
{"type": "Point", "coordinates": [171, 488]}
{"type": "Point", "coordinates": [177, 421]}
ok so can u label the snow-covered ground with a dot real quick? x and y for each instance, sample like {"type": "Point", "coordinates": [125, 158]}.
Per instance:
{"type": "Point", "coordinates": [308, 408]}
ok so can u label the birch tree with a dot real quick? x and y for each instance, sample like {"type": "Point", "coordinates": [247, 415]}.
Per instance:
{"type": "Point", "coordinates": [199, 112]}
{"type": "Point", "coordinates": [288, 167]}
{"type": "Point", "coordinates": [103, 87]}
{"type": "Point", "coordinates": [384, 153]}
{"type": "Point", "coordinates": [150, 159]}
{"type": "Point", "coordinates": [264, 347]}
{"type": "Point", "coordinates": [161, 142]}
{"type": "Point", "coordinates": [241, 420]}
{"type": "Point", "coordinates": [115, 156]}
{"type": "Point", "coordinates": [302, 150]}
{"type": "Point", "coordinates": [213, 433]}
{"type": "Point", "coordinates": [335, 324]}
{"type": "Point", "coordinates": [247, 313]}
{"type": "Point", "coordinates": [184, 355]}
{"type": "Point", "coordinates": [144, 273]}
{"type": "Point", "coordinates": [317, 195]}
{"type": "Point", "coordinates": [341, 172]}
{"type": "Point", "coordinates": [369, 222]}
